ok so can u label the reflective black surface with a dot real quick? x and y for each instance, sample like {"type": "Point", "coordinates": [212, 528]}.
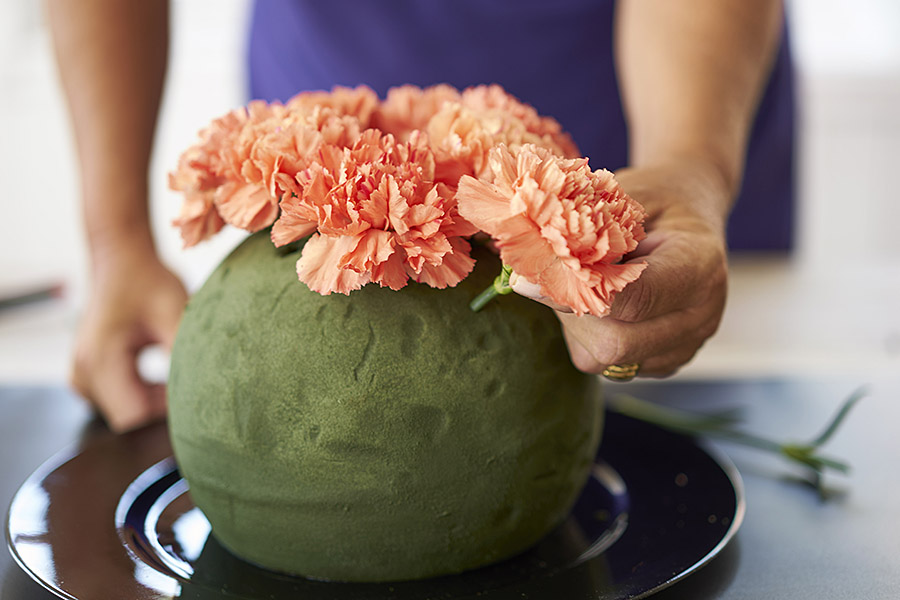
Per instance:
{"type": "Point", "coordinates": [116, 516]}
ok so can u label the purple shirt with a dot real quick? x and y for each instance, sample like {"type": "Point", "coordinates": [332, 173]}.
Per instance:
{"type": "Point", "coordinates": [556, 56]}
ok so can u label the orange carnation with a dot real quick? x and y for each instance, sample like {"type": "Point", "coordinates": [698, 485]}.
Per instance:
{"type": "Point", "coordinates": [359, 102]}
{"type": "Point", "coordinates": [557, 224]}
{"type": "Point", "coordinates": [199, 174]}
{"type": "Point", "coordinates": [462, 133]}
{"type": "Point", "coordinates": [408, 108]}
{"type": "Point", "coordinates": [379, 216]}
{"type": "Point", "coordinates": [518, 123]}
{"type": "Point", "coordinates": [375, 184]}
{"type": "Point", "coordinates": [249, 158]}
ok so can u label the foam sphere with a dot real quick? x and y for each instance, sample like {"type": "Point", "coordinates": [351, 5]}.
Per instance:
{"type": "Point", "coordinates": [379, 436]}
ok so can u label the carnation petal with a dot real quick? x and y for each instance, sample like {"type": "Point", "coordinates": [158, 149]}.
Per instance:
{"type": "Point", "coordinates": [523, 248]}
{"type": "Point", "coordinates": [198, 219]}
{"type": "Point", "coordinates": [289, 229]}
{"type": "Point", "coordinates": [391, 273]}
{"type": "Point", "coordinates": [247, 206]}
{"type": "Point", "coordinates": [320, 266]}
{"type": "Point", "coordinates": [611, 279]}
{"type": "Point", "coordinates": [372, 248]}
{"type": "Point", "coordinates": [453, 268]}
{"type": "Point", "coordinates": [482, 204]}
{"type": "Point", "coordinates": [560, 284]}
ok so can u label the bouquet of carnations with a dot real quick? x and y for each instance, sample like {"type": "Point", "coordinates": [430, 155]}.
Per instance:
{"type": "Point", "coordinates": [394, 190]}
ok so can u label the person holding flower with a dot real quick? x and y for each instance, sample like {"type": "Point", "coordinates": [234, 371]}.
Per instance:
{"type": "Point", "coordinates": [664, 93]}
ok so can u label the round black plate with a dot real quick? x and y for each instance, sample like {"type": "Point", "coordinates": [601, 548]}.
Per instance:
{"type": "Point", "coordinates": [116, 517]}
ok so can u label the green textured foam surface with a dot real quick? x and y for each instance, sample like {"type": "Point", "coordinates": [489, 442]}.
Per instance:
{"type": "Point", "coordinates": [377, 436]}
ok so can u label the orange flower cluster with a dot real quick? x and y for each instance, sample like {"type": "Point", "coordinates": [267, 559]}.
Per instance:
{"type": "Point", "coordinates": [391, 190]}
{"type": "Point", "coordinates": [378, 215]}
{"type": "Point", "coordinates": [557, 224]}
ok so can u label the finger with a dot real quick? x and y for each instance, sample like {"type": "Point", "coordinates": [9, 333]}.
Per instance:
{"type": "Point", "coordinates": [676, 277]}
{"type": "Point", "coordinates": [607, 341]}
{"type": "Point", "coordinates": [656, 366]}
{"type": "Point", "coordinates": [524, 287]}
{"type": "Point", "coordinates": [648, 245]}
{"type": "Point", "coordinates": [580, 356]}
{"type": "Point", "coordinates": [663, 287]}
{"type": "Point", "coordinates": [123, 398]}
{"type": "Point", "coordinates": [611, 342]}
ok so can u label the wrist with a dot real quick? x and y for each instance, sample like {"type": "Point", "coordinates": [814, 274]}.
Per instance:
{"type": "Point", "coordinates": [116, 220]}
{"type": "Point", "coordinates": [694, 192]}
{"type": "Point", "coordinates": [120, 249]}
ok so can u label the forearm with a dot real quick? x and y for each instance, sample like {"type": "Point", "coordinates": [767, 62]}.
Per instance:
{"type": "Point", "coordinates": [112, 61]}
{"type": "Point", "coordinates": [691, 73]}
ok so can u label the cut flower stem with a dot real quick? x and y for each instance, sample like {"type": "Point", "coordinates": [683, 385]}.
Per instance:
{"type": "Point", "coordinates": [721, 425]}
{"type": "Point", "coordinates": [500, 287]}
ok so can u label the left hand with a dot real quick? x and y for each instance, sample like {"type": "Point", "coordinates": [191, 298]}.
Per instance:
{"type": "Point", "coordinates": [135, 302]}
{"type": "Point", "coordinates": [663, 318]}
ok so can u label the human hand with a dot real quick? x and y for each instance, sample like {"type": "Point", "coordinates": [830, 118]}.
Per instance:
{"type": "Point", "coordinates": [136, 302]}
{"type": "Point", "coordinates": [663, 318]}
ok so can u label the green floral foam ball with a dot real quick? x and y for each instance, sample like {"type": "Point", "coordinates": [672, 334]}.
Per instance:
{"type": "Point", "coordinates": [378, 436]}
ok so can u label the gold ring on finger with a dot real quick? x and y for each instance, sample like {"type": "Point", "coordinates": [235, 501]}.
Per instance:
{"type": "Point", "coordinates": [625, 372]}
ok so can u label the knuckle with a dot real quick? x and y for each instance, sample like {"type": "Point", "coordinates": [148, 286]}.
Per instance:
{"type": "Point", "coordinates": [634, 303]}
{"type": "Point", "coordinates": [585, 363]}
{"type": "Point", "coordinates": [709, 328]}
{"type": "Point", "coordinates": [582, 359]}
{"type": "Point", "coordinates": [611, 350]}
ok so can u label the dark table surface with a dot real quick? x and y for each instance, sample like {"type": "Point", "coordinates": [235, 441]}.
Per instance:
{"type": "Point", "coordinates": [793, 543]}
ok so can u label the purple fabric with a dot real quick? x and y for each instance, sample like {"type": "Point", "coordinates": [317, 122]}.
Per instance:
{"type": "Point", "coordinates": [557, 56]}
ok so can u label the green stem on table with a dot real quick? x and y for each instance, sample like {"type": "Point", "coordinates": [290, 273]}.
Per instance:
{"type": "Point", "coordinates": [500, 287]}
{"type": "Point", "coordinates": [721, 425]}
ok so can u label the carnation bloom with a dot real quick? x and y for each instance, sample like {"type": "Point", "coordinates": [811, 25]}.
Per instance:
{"type": "Point", "coordinates": [248, 159]}
{"type": "Point", "coordinates": [461, 140]}
{"type": "Point", "coordinates": [199, 174]}
{"type": "Point", "coordinates": [408, 108]}
{"type": "Point", "coordinates": [359, 102]}
{"type": "Point", "coordinates": [198, 218]}
{"type": "Point", "coordinates": [376, 186]}
{"type": "Point", "coordinates": [462, 133]}
{"type": "Point", "coordinates": [280, 150]}
{"type": "Point", "coordinates": [557, 224]}
{"type": "Point", "coordinates": [379, 216]}
{"type": "Point", "coordinates": [241, 198]}
{"type": "Point", "coordinates": [518, 123]}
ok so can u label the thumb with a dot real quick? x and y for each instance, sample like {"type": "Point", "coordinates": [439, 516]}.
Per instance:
{"type": "Point", "coordinates": [524, 287]}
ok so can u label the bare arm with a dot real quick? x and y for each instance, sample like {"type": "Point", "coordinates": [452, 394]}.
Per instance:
{"type": "Point", "coordinates": [691, 74]}
{"type": "Point", "coordinates": [112, 61]}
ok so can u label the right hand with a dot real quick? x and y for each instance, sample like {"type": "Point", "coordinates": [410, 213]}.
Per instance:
{"type": "Point", "coordinates": [661, 320]}
{"type": "Point", "coordinates": [136, 302]}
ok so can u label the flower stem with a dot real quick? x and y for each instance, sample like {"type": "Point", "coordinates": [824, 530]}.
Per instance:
{"type": "Point", "coordinates": [721, 425]}
{"type": "Point", "coordinates": [500, 287]}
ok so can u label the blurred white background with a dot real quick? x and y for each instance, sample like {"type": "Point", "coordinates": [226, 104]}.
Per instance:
{"type": "Point", "coordinates": [833, 306]}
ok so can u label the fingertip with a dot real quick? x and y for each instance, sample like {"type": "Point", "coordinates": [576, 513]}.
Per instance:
{"type": "Point", "coordinates": [524, 287]}
{"type": "Point", "coordinates": [124, 400]}
{"type": "Point", "coordinates": [124, 421]}
{"type": "Point", "coordinates": [137, 415]}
